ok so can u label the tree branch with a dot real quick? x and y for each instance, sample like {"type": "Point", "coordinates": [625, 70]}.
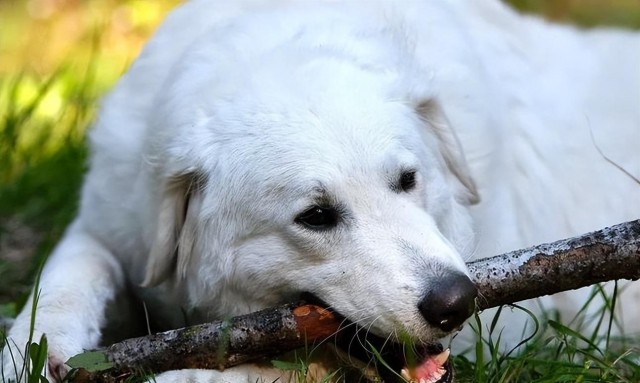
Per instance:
{"type": "Point", "coordinates": [215, 345]}
{"type": "Point", "coordinates": [601, 256]}
{"type": "Point", "coordinates": [604, 255]}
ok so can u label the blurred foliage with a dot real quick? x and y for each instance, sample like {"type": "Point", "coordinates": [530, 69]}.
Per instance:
{"type": "Point", "coordinates": [38, 35]}
{"type": "Point", "coordinates": [57, 57]}
{"type": "Point", "coordinates": [587, 13]}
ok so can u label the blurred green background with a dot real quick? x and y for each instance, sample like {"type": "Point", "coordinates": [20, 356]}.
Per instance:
{"type": "Point", "coordinates": [56, 58]}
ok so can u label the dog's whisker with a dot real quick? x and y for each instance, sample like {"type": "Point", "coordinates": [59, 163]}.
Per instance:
{"type": "Point", "coordinates": [347, 324]}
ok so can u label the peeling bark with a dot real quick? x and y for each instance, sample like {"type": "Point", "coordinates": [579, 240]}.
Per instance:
{"type": "Point", "coordinates": [604, 255]}
{"type": "Point", "coordinates": [608, 254]}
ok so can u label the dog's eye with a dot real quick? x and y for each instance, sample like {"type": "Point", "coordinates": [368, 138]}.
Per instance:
{"type": "Point", "coordinates": [318, 217]}
{"type": "Point", "coordinates": [407, 180]}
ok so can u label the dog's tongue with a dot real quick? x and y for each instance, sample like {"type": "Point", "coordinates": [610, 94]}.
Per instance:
{"type": "Point", "coordinates": [431, 370]}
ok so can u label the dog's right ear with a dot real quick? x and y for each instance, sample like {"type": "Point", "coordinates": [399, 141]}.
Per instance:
{"type": "Point", "coordinates": [176, 231]}
{"type": "Point", "coordinates": [432, 114]}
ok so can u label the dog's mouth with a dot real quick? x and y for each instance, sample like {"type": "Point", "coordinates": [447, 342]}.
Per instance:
{"type": "Point", "coordinates": [425, 363]}
{"type": "Point", "coordinates": [395, 361]}
{"type": "Point", "coordinates": [433, 367]}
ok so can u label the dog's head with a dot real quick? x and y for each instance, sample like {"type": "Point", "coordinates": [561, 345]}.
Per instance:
{"type": "Point", "coordinates": [312, 174]}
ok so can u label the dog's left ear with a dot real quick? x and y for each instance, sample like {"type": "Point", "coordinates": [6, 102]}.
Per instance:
{"type": "Point", "coordinates": [431, 114]}
{"type": "Point", "coordinates": [176, 232]}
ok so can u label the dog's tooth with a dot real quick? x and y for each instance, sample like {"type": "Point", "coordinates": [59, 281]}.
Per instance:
{"type": "Point", "coordinates": [439, 359]}
{"type": "Point", "coordinates": [442, 357]}
{"type": "Point", "coordinates": [406, 374]}
{"type": "Point", "coordinates": [438, 375]}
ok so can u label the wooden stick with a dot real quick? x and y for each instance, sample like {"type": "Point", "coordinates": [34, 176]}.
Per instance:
{"type": "Point", "coordinates": [215, 345]}
{"type": "Point", "coordinates": [601, 256]}
{"type": "Point", "coordinates": [608, 254]}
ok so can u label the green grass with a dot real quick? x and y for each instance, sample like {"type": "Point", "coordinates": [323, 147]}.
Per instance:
{"type": "Point", "coordinates": [555, 351]}
{"type": "Point", "coordinates": [34, 354]}
{"type": "Point", "coordinates": [42, 156]}
{"type": "Point", "coordinates": [42, 161]}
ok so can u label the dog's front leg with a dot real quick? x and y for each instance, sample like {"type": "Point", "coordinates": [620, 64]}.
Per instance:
{"type": "Point", "coordinates": [77, 282]}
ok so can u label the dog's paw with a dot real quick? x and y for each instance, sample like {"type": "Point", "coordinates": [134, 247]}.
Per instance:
{"type": "Point", "coordinates": [56, 367]}
{"type": "Point", "coordinates": [14, 369]}
{"type": "Point", "coordinates": [17, 349]}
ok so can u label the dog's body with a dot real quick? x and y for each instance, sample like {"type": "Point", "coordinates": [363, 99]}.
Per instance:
{"type": "Point", "coordinates": [236, 120]}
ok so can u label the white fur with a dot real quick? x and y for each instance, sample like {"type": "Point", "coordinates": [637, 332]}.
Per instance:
{"type": "Point", "coordinates": [236, 117]}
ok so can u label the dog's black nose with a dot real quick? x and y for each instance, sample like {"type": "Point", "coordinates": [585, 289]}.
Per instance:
{"type": "Point", "coordinates": [450, 301]}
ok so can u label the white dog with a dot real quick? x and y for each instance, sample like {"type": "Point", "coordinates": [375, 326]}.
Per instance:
{"type": "Point", "coordinates": [261, 149]}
